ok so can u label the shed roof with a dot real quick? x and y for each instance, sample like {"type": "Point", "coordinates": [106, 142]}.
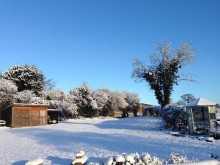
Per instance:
{"type": "Point", "coordinates": [201, 102]}
{"type": "Point", "coordinates": [54, 110]}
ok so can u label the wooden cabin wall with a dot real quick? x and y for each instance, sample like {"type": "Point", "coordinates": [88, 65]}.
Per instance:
{"type": "Point", "coordinates": [25, 115]}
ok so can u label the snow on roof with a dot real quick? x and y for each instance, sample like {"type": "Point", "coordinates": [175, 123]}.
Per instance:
{"type": "Point", "coordinates": [200, 102]}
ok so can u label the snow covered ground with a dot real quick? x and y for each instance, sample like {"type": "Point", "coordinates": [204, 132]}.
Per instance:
{"type": "Point", "coordinates": [99, 138]}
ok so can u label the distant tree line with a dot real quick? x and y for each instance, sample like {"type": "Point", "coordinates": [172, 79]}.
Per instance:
{"type": "Point", "coordinates": [26, 84]}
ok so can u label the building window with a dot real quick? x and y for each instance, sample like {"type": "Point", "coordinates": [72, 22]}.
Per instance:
{"type": "Point", "coordinates": [212, 116]}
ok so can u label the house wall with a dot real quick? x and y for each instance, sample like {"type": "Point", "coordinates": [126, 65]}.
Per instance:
{"type": "Point", "coordinates": [218, 113]}
{"type": "Point", "coordinates": [210, 118]}
{"type": "Point", "coordinates": [190, 118]}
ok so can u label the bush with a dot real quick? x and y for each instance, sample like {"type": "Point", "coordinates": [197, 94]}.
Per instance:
{"type": "Point", "coordinates": [216, 134]}
{"type": "Point", "coordinates": [176, 117]}
{"type": "Point", "coordinates": [179, 159]}
{"type": "Point", "coordinates": [146, 159]}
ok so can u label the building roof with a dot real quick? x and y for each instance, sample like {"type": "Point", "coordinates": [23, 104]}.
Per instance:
{"type": "Point", "coordinates": [201, 102]}
{"type": "Point", "coordinates": [145, 104]}
{"type": "Point", "coordinates": [54, 110]}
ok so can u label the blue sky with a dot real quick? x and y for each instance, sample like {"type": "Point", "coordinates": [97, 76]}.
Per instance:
{"type": "Point", "coordinates": [95, 41]}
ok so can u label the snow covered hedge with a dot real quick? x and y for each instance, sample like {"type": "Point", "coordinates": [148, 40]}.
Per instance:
{"type": "Point", "coordinates": [145, 159]}
{"type": "Point", "coordinates": [176, 117]}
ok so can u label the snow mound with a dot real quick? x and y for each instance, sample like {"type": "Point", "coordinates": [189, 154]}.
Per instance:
{"type": "Point", "coordinates": [80, 154]}
{"type": "Point", "coordinates": [35, 162]}
{"type": "Point", "coordinates": [109, 160]}
{"type": "Point", "coordinates": [119, 158]}
{"type": "Point", "coordinates": [81, 158]}
{"type": "Point", "coordinates": [130, 159]}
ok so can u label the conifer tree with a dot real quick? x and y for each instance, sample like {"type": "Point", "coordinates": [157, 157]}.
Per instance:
{"type": "Point", "coordinates": [26, 77]}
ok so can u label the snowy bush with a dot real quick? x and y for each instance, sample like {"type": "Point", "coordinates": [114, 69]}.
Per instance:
{"type": "Point", "coordinates": [179, 159]}
{"type": "Point", "coordinates": [215, 132]}
{"type": "Point", "coordinates": [133, 159]}
{"type": "Point", "coordinates": [146, 159]}
{"type": "Point", "coordinates": [176, 117]}
{"type": "Point", "coordinates": [24, 97]}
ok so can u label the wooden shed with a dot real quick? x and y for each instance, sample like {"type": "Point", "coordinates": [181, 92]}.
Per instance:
{"type": "Point", "coordinates": [22, 115]}
{"type": "Point", "coordinates": [202, 115]}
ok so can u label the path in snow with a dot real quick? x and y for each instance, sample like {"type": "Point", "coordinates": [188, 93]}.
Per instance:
{"type": "Point", "coordinates": [99, 138]}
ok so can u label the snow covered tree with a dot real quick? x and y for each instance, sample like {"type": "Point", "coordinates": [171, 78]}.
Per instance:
{"type": "Point", "coordinates": [57, 99]}
{"type": "Point", "coordinates": [24, 97]}
{"type": "Point", "coordinates": [7, 91]}
{"type": "Point", "coordinates": [163, 73]}
{"type": "Point", "coordinates": [53, 95]}
{"type": "Point", "coordinates": [186, 98]}
{"type": "Point", "coordinates": [109, 102]}
{"type": "Point", "coordinates": [69, 106]}
{"type": "Point", "coordinates": [26, 78]}
{"type": "Point", "coordinates": [101, 97]}
{"type": "Point", "coordinates": [118, 102]}
{"type": "Point", "coordinates": [133, 101]}
{"type": "Point", "coordinates": [85, 102]}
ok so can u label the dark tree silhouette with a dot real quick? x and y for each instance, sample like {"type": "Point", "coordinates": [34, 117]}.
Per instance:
{"type": "Point", "coordinates": [163, 72]}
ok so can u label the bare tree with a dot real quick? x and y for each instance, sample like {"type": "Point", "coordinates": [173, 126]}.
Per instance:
{"type": "Point", "coordinates": [163, 72]}
{"type": "Point", "coordinates": [186, 98]}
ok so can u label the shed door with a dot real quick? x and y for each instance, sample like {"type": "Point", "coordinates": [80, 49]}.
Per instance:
{"type": "Point", "coordinates": [35, 117]}
{"type": "Point", "coordinates": [43, 117]}
{"type": "Point", "coordinates": [21, 117]}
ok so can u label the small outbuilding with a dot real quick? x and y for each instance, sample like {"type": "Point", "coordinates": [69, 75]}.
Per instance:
{"type": "Point", "coordinates": [53, 116]}
{"type": "Point", "coordinates": [22, 115]}
{"type": "Point", "coordinates": [202, 116]}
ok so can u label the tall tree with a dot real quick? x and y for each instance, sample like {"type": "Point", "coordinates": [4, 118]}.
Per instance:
{"type": "Point", "coordinates": [163, 72]}
{"type": "Point", "coordinates": [26, 77]}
